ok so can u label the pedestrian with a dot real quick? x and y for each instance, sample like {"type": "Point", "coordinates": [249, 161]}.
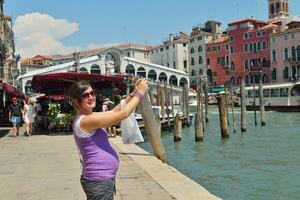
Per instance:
{"type": "Point", "coordinates": [28, 116]}
{"type": "Point", "coordinates": [107, 106]}
{"type": "Point", "coordinates": [15, 113]}
{"type": "Point", "coordinates": [100, 161]}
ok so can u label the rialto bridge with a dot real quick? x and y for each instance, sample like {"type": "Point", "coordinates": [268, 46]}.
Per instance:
{"type": "Point", "coordinates": [113, 61]}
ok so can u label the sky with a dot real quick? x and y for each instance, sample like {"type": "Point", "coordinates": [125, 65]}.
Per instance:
{"type": "Point", "coordinates": [51, 27]}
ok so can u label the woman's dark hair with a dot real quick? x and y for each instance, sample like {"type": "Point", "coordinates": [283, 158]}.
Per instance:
{"type": "Point", "coordinates": [77, 89]}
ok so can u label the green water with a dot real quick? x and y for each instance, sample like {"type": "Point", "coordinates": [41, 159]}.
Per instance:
{"type": "Point", "coordinates": [263, 163]}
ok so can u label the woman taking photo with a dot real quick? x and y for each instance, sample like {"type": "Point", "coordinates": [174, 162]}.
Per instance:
{"type": "Point", "coordinates": [99, 160]}
{"type": "Point", "coordinates": [28, 116]}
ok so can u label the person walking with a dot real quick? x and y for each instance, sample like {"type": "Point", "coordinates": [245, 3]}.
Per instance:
{"type": "Point", "coordinates": [15, 112]}
{"type": "Point", "coordinates": [99, 160]}
{"type": "Point", "coordinates": [28, 116]}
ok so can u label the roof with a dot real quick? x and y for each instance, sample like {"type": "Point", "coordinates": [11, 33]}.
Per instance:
{"type": "Point", "coordinates": [219, 40]}
{"type": "Point", "coordinates": [269, 26]}
{"type": "Point", "coordinates": [56, 67]}
{"type": "Point", "coordinates": [246, 20]}
{"type": "Point", "coordinates": [59, 83]}
{"type": "Point", "coordinates": [133, 46]}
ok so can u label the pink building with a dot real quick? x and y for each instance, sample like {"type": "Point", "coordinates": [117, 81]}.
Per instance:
{"type": "Point", "coordinates": [217, 61]}
{"type": "Point", "coordinates": [249, 50]}
{"type": "Point", "coordinates": [285, 54]}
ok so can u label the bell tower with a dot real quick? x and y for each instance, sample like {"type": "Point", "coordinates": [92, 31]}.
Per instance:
{"type": "Point", "coordinates": [278, 9]}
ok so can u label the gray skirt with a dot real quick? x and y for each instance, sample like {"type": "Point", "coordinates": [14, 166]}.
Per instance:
{"type": "Point", "coordinates": [98, 190]}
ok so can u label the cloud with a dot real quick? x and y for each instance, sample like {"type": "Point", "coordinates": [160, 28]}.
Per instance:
{"type": "Point", "coordinates": [38, 33]}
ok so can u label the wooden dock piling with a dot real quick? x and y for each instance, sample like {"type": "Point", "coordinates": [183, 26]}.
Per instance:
{"type": "Point", "coordinates": [243, 106]}
{"type": "Point", "coordinates": [261, 104]}
{"type": "Point", "coordinates": [232, 110]}
{"type": "Point", "coordinates": [206, 101]}
{"type": "Point", "coordinates": [223, 116]}
{"type": "Point", "coordinates": [152, 129]}
{"type": "Point", "coordinates": [177, 128]}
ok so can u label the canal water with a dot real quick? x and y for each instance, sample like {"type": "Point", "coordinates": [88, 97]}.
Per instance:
{"type": "Point", "coordinates": [262, 163]}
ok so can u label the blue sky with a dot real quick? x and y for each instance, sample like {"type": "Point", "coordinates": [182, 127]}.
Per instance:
{"type": "Point", "coordinates": [93, 23]}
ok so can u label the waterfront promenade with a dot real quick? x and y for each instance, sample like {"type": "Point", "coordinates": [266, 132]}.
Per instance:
{"type": "Point", "coordinates": [47, 167]}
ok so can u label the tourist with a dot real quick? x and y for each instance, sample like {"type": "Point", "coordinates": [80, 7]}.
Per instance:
{"type": "Point", "coordinates": [14, 114]}
{"type": "Point", "coordinates": [28, 116]}
{"type": "Point", "coordinates": [100, 161]}
{"type": "Point", "coordinates": [107, 106]}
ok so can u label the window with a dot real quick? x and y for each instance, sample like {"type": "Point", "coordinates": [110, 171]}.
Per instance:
{"type": "Point", "coordinates": [258, 34]}
{"type": "Point", "coordinates": [227, 47]}
{"type": "Point", "coordinates": [246, 47]}
{"type": "Point", "coordinates": [231, 49]}
{"type": "Point", "coordinates": [293, 36]}
{"type": "Point", "coordinates": [263, 33]}
{"type": "Point", "coordinates": [293, 53]}
{"type": "Point", "coordinates": [286, 53]}
{"type": "Point", "coordinates": [192, 61]}
{"type": "Point", "coordinates": [200, 48]}
{"type": "Point", "coordinates": [246, 35]}
{"type": "Point", "coordinates": [128, 54]}
{"type": "Point", "coordinates": [258, 46]}
{"type": "Point", "coordinates": [214, 48]}
{"type": "Point", "coordinates": [298, 53]}
{"type": "Point", "coordinates": [232, 65]}
{"type": "Point", "coordinates": [250, 47]}
{"type": "Point", "coordinates": [199, 38]}
{"type": "Point", "coordinates": [254, 47]}
{"type": "Point", "coordinates": [174, 65]}
{"type": "Point", "coordinates": [250, 35]}
{"type": "Point", "coordinates": [274, 92]}
{"type": "Point", "coordinates": [283, 92]}
{"type": "Point", "coordinates": [266, 92]}
{"type": "Point", "coordinates": [184, 44]}
{"type": "Point", "coordinates": [232, 27]}
{"type": "Point", "coordinates": [200, 60]}
{"type": "Point", "coordinates": [264, 45]}
{"type": "Point", "coordinates": [274, 74]}
{"type": "Point", "coordinates": [208, 49]}
{"type": "Point", "coordinates": [274, 55]}
{"type": "Point", "coordinates": [192, 40]}
{"type": "Point", "coordinates": [286, 73]}
{"type": "Point", "coordinates": [219, 48]}
{"type": "Point", "coordinates": [192, 50]}
{"type": "Point", "coordinates": [218, 60]}
{"type": "Point", "coordinates": [208, 61]}
{"type": "Point", "coordinates": [246, 64]}
{"type": "Point", "coordinates": [273, 39]}
{"type": "Point", "coordinates": [231, 38]}
{"type": "Point", "coordinates": [285, 37]}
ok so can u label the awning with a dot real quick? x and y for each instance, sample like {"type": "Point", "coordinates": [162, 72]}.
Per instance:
{"type": "Point", "coordinates": [216, 89]}
{"type": "Point", "coordinates": [59, 83]}
{"type": "Point", "coordinates": [51, 97]}
{"type": "Point", "coordinates": [12, 90]}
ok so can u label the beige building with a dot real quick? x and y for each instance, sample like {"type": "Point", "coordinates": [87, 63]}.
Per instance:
{"type": "Point", "coordinates": [285, 54]}
{"type": "Point", "coordinates": [8, 66]}
{"type": "Point", "coordinates": [199, 37]}
{"type": "Point", "coordinates": [173, 53]}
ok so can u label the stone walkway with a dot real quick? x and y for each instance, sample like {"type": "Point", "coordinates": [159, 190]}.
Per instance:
{"type": "Point", "coordinates": [48, 167]}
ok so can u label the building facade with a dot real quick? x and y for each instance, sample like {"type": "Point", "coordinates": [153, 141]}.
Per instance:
{"type": "Point", "coordinates": [217, 61]}
{"type": "Point", "coordinates": [249, 50]}
{"type": "Point", "coordinates": [285, 54]}
{"type": "Point", "coordinates": [173, 53]}
{"type": "Point", "coordinates": [199, 37]}
{"type": "Point", "coordinates": [8, 68]}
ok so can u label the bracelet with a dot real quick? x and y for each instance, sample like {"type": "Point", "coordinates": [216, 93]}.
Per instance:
{"type": "Point", "coordinates": [131, 95]}
{"type": "Point", "coordinates": [139, 95]}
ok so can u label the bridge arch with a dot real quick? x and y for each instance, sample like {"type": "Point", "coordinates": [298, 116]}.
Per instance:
{"type": "Point", "coordinates": [173, 80]}
{"type": "Point", "coordinates": [130, 70]}
{"type": "Point", "coordinates": [163, 77]}
{"type": "Point", "coordinates": [183, 81]}
{"type": "Point", "coordinates": [83, 70]}
{"type": "Point", "coordinates": [141, 72]}
{"type": "Point", "coordinates": [152, 75]}
{"type": "Point", "coordinates": [95, 69]}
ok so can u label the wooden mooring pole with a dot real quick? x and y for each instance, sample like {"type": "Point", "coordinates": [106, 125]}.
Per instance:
{"type": "Point", "coordinates": [186, 100]}
{"type": "Point", "coordinates": [206, 101]}
{"type": "Point", "coordinates": [232, 109]}
{"type": "Point", "coordinates": [152, 129]}
{"type": "Point", "coordinates": [261, 103]}
{"type": "Point", "coordinates": [223, 116]}
{"type": "Point", "coordinates": [254, 102]}
{"type": "Point", "coordinates": [177, 128]}
{"type": "Point", "coordinates": [243, 107]}
{"type": "Point", "coordinates": [167, 103]}
{"type": "Point", "coordinates": [198, 119]}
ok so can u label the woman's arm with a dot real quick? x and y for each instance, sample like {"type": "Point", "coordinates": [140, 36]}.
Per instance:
{"type": "Point", "coordinates": [97, 120]}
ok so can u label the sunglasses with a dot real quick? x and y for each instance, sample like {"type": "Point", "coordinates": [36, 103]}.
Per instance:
{"type": "Point", "coordinates": [86, 95]}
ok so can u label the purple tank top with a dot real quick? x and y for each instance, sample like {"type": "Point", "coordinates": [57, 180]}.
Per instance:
{"type": "Point", "coordinates": [100, 160]}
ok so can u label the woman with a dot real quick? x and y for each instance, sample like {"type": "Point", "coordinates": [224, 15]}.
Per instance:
{"type": "Point", "coordinates": [28, 116]}
{"type": "Point", "coordinates": [100, 161]}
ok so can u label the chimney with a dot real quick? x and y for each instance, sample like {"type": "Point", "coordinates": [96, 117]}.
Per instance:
{"type": "Point", "coordinates": [171, 37]}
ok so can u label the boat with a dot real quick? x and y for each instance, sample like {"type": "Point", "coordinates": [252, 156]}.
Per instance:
{"type": "Point", "coordinates": [283, 97]}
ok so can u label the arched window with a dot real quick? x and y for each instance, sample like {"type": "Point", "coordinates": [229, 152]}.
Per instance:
{"type": "Point", "coordinates": [200, 60]}
{"type": "Point", "coordinates": [200, 48]}
{"type": "Point", "coordinates": [193, 72]}
{"type": "Point", "coordinates": [274, 55]}
{"type": "Point", "coordinates": [192, 50]}
{"type": "Point", "coordinates": [274, 74]}
{"type": "Point", "coordinates": [246, 79]}
{"type": "Point", "coordinates": [232, 80]}
{"type": "Point", "coordinates": [83, 70]}
{"type": "Point", "coordinates": [232, 65]}
{"type": "Point", "coordinates": [95, 69]}
{"type": "Point", "coordinates": [192, 61]}
{"type": "Point", "coordinates": [238, 80]}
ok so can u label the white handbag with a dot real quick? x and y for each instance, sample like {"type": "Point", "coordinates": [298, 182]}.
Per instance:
{"type": "Point", "coordinates": [130, 129]}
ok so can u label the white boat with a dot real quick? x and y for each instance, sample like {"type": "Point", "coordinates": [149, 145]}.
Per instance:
{"type": "Point", "coordinates": [283, 97]}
